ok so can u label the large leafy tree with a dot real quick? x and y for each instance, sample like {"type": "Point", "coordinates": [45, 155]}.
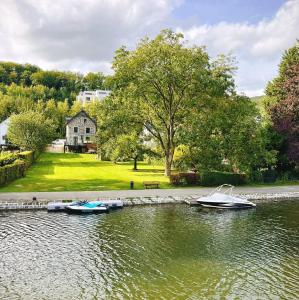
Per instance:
{"type": "Point", "coordinates": [226, 135]}
{"type": "Point", "coordinates": [161, 81]}
{"type": "Point", "coordinates": [128, 146]}
{"type": "Point", "coordinates": [30, 130]}
{"type": "Point", "coordinates": [284, 105]}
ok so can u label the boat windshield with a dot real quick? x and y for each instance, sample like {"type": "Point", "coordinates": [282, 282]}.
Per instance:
{"type": "Point", "coordinates": [224, 189]}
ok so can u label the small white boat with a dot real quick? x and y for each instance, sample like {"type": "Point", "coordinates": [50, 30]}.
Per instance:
{"type": "Point", "coordinates": [222, 197]}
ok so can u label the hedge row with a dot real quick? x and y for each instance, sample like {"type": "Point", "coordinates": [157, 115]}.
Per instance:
{"type": "Point", "coordinates": [16, 166]}
{"type": "Point", "coordinates": [207, 178]}
{"type": "Point", "coordinates": [28, 156]}
{"type": "Point", "coordinates": [12, 171]}
{"type": "Point", "coordinates": [184, 179]}
{"type": "Point", "coordinates": [7, 159]}
{"type": "Point", "coordinates": [211, 178]}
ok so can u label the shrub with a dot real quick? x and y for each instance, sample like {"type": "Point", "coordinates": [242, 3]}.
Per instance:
{"type": "Point", "coordinates": [12, 171]}
{"type": "Point", "coordinates": [256, 176]}
{"type": "Point", "coordinates": [187, 178]}
{"type": "Point", "coordinates": [27, 156]}
{"type": "Point", "coordinates": [269, 176]}
{"type": "Point", "coordinates": [210, 178]}
{"type": "Point", "coordinates": [175, 179]}
{"type": "Point", "coordinates": [6, 159]}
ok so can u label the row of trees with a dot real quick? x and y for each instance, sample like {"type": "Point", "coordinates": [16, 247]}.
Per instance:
{"type": "Point", "coordinates": [19, 79]}
{"type": "Point", "coordinates": [175, 102]}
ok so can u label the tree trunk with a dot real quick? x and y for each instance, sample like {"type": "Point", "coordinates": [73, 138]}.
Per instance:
{"type": "Point", "coordinates": [168, 163]}
{"type": "Point", "coordinates": [135, 163]}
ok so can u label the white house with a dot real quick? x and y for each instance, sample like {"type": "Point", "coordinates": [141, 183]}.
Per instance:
{"type": "Point", "coordinates": [89, 96]}
{"type": "Point", "coordinates": [3, 131]}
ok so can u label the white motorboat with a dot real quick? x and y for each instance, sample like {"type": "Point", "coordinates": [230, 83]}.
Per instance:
{"type": "Point", "coordinates": [222, 197]}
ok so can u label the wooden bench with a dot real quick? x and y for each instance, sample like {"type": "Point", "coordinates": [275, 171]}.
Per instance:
{"type": "Point", "coordinates": [151, 184]}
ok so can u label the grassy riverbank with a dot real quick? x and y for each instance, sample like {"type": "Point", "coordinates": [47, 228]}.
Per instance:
{"type": "Point", "coordinates": [83, 172]}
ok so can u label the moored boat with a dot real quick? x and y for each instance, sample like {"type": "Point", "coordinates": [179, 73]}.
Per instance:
{"type": "Point", "coordinates": [61, 206]}
{"type": "Point", "coordinates": [87, 207]}
{"type": "Point", "coordinates": [222, 197]}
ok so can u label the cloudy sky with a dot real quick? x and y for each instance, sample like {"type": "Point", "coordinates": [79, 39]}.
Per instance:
{"type": "Point", "coordinates": [82, 35]}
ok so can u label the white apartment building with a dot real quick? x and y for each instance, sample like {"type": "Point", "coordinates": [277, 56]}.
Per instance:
{"type": "Point", "coordinates": [89, 96]}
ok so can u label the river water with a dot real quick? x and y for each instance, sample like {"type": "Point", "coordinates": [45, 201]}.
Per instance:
{"type": "Point", "coordinates": [153, 252]}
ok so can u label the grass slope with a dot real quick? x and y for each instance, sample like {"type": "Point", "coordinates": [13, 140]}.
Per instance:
{"type": "Point", "coordinates": [82, 172]}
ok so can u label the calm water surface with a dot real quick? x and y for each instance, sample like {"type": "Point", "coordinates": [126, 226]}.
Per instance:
{"type": "Point", "coordinates": [160, 252]}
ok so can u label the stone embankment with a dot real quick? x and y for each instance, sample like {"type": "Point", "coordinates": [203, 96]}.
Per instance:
{"type": "Point", "coordinates": [35, 203]}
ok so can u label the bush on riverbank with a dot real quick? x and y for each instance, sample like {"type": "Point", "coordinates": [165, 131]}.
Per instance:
{"type": "Point", "coordinates": [186, 178]}
{"type": "Point", "coordinates": [14, 165]}
{"type": "Point", "coordinates": [7, 158]}
{"type": "Point", "coordinates": [207, 178]}
{"type": "Point", "coordinates": [28, 157]}
{"type": "Point", "coordinates": [12, 171]}
{"type": "Point", "coordinates": [211, 178]}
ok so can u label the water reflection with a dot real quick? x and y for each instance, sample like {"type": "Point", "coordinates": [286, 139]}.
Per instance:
{"type": "Point", "coordinates": [151, 253]}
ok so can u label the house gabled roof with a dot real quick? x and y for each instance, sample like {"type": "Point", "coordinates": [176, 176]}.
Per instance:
{"type": "Point", "coordinates": [81, 113]}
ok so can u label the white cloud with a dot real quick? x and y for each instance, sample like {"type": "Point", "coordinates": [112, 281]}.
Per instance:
{"type": "Point", "coordinates": [82, 35]}
{"type": "Point", "coordinates": [74, 33]}
{"type": "Point", "coordinates": [258, 47]}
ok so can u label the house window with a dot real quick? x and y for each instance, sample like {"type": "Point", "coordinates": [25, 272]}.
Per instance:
{"type": "Point", "coordinates": [75, 140]}
{"type": "Point", "coordinates": [87, 139]}
{"type": "Point", "coordinates": [87, 130]}
{"type": "Point", "coordinates": [75, 129]}
{"type": "Point", "coordinates": [85, 121]}
{"type": "Point", "coordinates": [87, 98]}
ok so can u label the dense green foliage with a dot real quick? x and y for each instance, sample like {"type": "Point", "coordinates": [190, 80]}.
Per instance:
{"type": "Point", "coordinates": [12, 171]}
{"type": "Point", "coordinates": [169, 101]}
{"type": "Point", "coordinates": [186, 178]}
{"type": "Point", "coordinates": [211, 178]}
{"type": "Point", "coordinates": [14, 165]}
{"type": "Point", "coordinates": [28, 88]}
{"type": "Point", "coordinates": [28, 157]}
{"type": "Point", "coordinates": [226, 135]}
{"type": "Point", "coordinates": [30, 130]}
{"type": "Point", "coordinates": [283, 108]}
{"type": "Point", "coordinates": [7, 158]}
{"type": "Point", "coordinates": [160, 83]}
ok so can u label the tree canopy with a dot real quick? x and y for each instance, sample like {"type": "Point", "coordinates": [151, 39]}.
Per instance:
{"type": "Point", "coordinates": [284, 108]}
{"type": "Point", "coordinates": [161, 81]}
{"type": "Point", "coordinates": [30, 130]}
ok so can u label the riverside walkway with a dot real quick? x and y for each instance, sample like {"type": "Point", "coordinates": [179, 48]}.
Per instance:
{"type": "Point", "coordinates": [252, 192]}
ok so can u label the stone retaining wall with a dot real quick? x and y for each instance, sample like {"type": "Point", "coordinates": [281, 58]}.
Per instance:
{"type": "Point", "coordinates": [257, 198]}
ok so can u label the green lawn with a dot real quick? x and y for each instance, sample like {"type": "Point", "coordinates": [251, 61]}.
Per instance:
{"type": "Point", "coordinates": [83, 172]}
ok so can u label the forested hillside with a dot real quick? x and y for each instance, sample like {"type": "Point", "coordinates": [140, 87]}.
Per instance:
{"type": "Point", "coordinates": [23, 86]}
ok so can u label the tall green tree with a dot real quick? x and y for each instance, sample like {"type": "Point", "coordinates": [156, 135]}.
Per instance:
{"type": "Point", "coordinates": [283, 106]}
{"type": "Point", "coordinates": [30, 130]}
{"type": "Point", "coordinates": [162, 80]}
{"type": "Point", "coordinates": [226, 134]}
